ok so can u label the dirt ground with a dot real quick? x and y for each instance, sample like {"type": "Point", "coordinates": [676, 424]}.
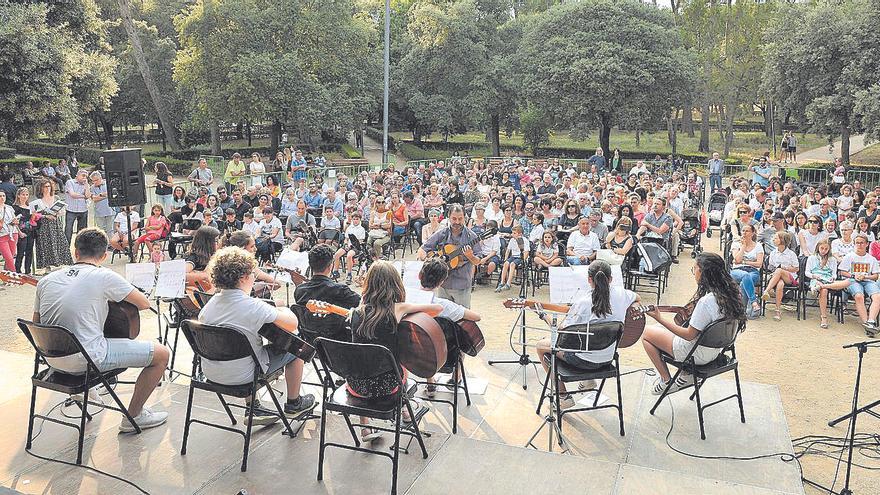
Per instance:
{"type": "Point", "coordinates": [813, 372]}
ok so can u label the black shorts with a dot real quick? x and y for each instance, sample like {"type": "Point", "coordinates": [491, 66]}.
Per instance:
{"type": "Point", "coordinates": [792, 148]}
{"type": "Point", "coordinates": [573, 359]}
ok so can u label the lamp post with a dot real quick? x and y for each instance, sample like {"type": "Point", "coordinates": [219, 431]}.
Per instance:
{"type": "Point", "coordinates": [387, 64]}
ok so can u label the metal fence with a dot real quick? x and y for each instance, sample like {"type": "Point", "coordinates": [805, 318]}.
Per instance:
{"type": "Point", "coordinates": [868, 178]}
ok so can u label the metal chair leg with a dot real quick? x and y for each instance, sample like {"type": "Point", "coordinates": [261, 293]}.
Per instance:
{"type": "Point", "coordinates": [226, 407]}
{"type": "Point", "coordinates": [31, 417]}
{"type": "Point", "coordinates": [699, 409]}
{"type": "Point", "coordinates": [250, 423]}
{"type": "Point", "coordinates": [742, 414]}
{"type": "Point", "coordinates": [188, 420]}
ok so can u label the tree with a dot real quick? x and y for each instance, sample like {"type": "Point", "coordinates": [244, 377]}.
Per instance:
{"type": "Point", "coordinates": [137, 51]}
{"type": "Point", "coordinates": [587, 77]}
{"type": "Point", "coordinates": [829, 54]}
{"type": "Point", "coordinates": [868, 110]}
{"type": "Point", "coordinates": [535, 129]}
{"type": "Point", "coordinates": [308, 65]}
{"type": "Point", "coordinates": [55, 67]}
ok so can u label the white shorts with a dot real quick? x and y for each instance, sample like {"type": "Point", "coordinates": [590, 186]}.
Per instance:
{"type": "Point", "coordinates": [703, 355]}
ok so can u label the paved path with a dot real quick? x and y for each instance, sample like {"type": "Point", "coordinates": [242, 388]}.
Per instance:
{"type": "Point", "coordinates": [822, 154]}
{"type": "Point", "coordinates": [373, 152]}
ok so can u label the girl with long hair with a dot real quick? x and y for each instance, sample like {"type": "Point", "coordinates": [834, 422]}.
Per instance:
{"type": "Point", "coordinates": [164, 183]}
{"type": "Point", "coordinates": [206, 242]}
{"type": "Point", "coordinates": [748, 258]}
{"type": "Point", "coordinates": [603, 303]}
{"type": "Point", "coordinates": [547, 252]}
{"type": "Point", "coordinates": [375, 322]}
{"type": "Point", "coordinates": [156, 227]}
{"type": "Point", "coordinates": [785, 265]}
{"type": "Point", "coordinates": [718, 296]}
{"type": "Point", "coordinates": [821, 271]}
{"type": "Point", "coordinates": [26, 229]}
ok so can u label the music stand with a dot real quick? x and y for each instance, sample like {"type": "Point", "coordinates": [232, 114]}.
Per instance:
{"type": "Point", "coordinates": [862, 347]}
{"type": "Point", "coordinates": [524, 359]}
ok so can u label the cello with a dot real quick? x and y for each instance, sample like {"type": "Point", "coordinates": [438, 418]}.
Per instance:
{"type": "Point", "coordinates": [421, 342]}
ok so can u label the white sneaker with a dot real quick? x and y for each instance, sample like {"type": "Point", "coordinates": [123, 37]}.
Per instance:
{"type": "Point", "coordinates": [588, 385]}
{"type": "Point", "coordinates": [146, 419]}
{"type": "Point", "coordinates": [565, 402]}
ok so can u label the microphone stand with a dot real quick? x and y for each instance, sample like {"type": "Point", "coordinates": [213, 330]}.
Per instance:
{"type": "Point", "coordinates": [862, 347]}
{"type": "Point", "coordinates": [524, 359]}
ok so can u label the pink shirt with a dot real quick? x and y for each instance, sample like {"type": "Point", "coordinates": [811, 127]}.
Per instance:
{"type": "Point", "coordinates": [415, 209]}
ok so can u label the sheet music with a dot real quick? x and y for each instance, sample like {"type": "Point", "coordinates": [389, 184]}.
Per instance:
{"type": "Point", "coordinates": [280, 276]}
{"type": "Point", "coordinates": [294, 260]}
{"type": "Point", "coordinates": [409, 271]}
{"type": "Point", "coordinates": [418, 296]}
{"type": "Point", "coordinates": [57, 207]}
{"type": "Point", "coordinates": [171, 280]}
{"type": "Point", "coordinates": [141, 275]}
{"type": "Point", "coordinates": [568, 283]}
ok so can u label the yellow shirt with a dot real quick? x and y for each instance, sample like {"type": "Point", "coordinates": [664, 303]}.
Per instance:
{"type": "Point", "coordinates": [233, 168]}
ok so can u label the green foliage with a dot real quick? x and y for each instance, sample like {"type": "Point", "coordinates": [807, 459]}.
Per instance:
{"type": "Point", "coordinates": [535, 129]}
{"type": "Point", "coordinates": [350, 151]}
{"type": "Point", "coordinates": [52, 150]}
{"type": "Point", "coordinates": [55, 67]}
{"type": "Point", "coordinates": [6, 153]}
{"type": "Point", "coordinates": [867, 108]}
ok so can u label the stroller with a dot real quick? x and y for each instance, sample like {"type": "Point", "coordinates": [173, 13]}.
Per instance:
{"type": "Point", "coordinates": [691, 230]}
{"type": "Point", "coordinates": [717, 202]}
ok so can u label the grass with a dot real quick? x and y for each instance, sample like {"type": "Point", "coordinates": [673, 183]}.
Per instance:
{"type": "Point", "coordinates": [868, 156]}
{"type": "Point", "coordinates": [745, 144]}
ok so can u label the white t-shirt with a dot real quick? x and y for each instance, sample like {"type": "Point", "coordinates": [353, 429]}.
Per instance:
{"type": "Point", "coordinates": [76, 298]}
{"type": "Point", "coordinates": [252, 228]}
{"type": "Point", "coordinates": [854, 263]}
{"type": "Point", "coordinates": [358, 231]}
{"type": "Point", "coordinates": [841, 248]}
{"type": "Point", "coordinates": [234, 309]}
{"type": "Point", "coordinates": [451, 311]}
{"type": "Point", "coordinates": [266, 229]}
{"type": "Point", "coordinates": [752, 255]}
{"type": "Point", "coordinates": [784, 258]}
{"type": "Point", "coordinates": [123, 224]}
{"type": "Point", "coordinates": [705, 312]}
{"type": "Point", "coordinates": [492, 244]}
{"type": "Point", "coordinates": [513, 247]}
{"type": "Point", "coordinates": [537, 234]}
{"type": "Point", "coordinates": [583, 245]}
{"type": "Point", "coordinates": [581, 312]}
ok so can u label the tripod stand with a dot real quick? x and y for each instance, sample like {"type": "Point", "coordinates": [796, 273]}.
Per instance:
{"type": "Point", "coordinates": [523, 360]}
{"type": "Point", "coordinates": [862, 347]}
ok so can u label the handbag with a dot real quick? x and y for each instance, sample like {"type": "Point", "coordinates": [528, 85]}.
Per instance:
{"type": "Point", "coordinates": [377, 233]}
{"type": "Point", "coordinates": [609, 256]}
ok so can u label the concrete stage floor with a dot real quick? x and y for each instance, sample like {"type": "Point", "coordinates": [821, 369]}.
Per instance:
{"type": "Point", "coordinates": [486, 456]}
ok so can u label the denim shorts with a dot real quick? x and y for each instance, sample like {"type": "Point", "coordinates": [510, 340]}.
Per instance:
{"type": "Point", "coordinates": [127, 353]}
{"type": "Point", "coordinates": [494, 259]}
{"type": "Point", "coordinates": [515, 260]}
{"type": "Point", "coordinates": [576, 260]}
{"type": "Point", "coordinates": [865, 287]}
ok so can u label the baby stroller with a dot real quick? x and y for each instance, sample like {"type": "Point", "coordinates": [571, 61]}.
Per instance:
{"type": "Point", "coordinates": [691, 230]}
{"type": "Point", "coordinates": [717, 202]}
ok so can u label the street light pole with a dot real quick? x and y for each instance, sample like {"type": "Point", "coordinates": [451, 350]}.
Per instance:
{"type": "Point", "coordinates": [387, 70]}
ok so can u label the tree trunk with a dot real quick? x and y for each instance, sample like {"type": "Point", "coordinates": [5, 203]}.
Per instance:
{"type": "Point", "coordinates": [215, 138]}
{"type": "Point", "coordinates": [673, 135]}
{"type": "Point", "coordinates": [720, 112]}
{"type": "Point", "coordinates": [250, 134]}
{"type": "Point", "coordinates": [108, 132]}
{"type": "Point", "coordinates": [844, 144]}
{"type": "Point", "coordinates": [97, 131]}
{"type": "Point", "coordinates": [704, 127]}
{"type": "Point", "coordinates": [147, 73]}
{"type": "Point", "coordinates": [161, 133]}
{"type": "Point", "coordinates": [638, 138]}
{"type": "Point", "coordinates": [670, 126]}
{"type": "Point", "coordinates": [494, 131]}
{"type": "Point", "coordinates": [687, 119]}
{"type": "Point", "coordinates": [274, 138]}
{"type": "Point", "coordinates": [765, 111]}
{"type": "Point", "coordinates": [605, 134]}
{"type": "Point", "coordinates": [239, 131]}
{"type": "Point", "coordinates": [728, 126]}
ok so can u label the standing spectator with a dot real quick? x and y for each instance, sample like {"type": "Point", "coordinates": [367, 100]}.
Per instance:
{"type": "Point", "coordinates": [201, 176]}
{"type": "Point", "coordinates": [24, 251]}
{"type": "Point", "coordinates": [762, 173]}
{"type": "Point", "coordinates": [598, 160]}
{"type": "Point", "coordinates": [235, 170]}
{"type": "Point", "coordinates": [103, 213]}
{"type": "Point", "coordinates": [256, 168]}
{"type": "Point", "coordinates": [716, 167]}
{"type": "Point", "coordinates": [792, 146]}
{"type": "Point", "coordinates": [78, 193]}
{"type": "Point", "coordinates": [617, 162]}
{"type": "Point", "coordinates": [8, 187]}
{"type": "Point", "coordinates": [298, 166]}
{"type": "Point", "coordinates": [51, 248]}
{"type": "Point", "coordinates": [8, 232]}
{"type": "Point", "coordinates": [164, 185]}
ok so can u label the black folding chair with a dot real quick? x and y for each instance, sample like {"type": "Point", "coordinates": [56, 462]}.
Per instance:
{"type": "Point", "coordinates": [580, 338]}
{"type": "Point", "coordinates": [359, 362]}
{"type": "Point", "coordinates": [455, 365]}
{"type": "Point", "coordinates": [722, 335]}
{"type": "Point", "coordinates": [54, 342]}
{"type": "Point", "coordinates": [227, 344]}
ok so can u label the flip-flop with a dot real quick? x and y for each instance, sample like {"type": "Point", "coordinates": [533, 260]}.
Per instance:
{"type": "Point", "coordinates": [777, 316]}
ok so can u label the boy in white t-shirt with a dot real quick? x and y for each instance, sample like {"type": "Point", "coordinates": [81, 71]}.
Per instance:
{"type": "Point", "coordinates": [119, 240]}
{"type": "Point", "coordinates": [355, 228]}
{"type": "Point", "coordinates": [517, 251]}
{"type": "Point", "coordinates": [250, 226]}
{"type": "Point", "coordinates": [862, 270]}
{"type": "Point", "coordinates": [491, 248]}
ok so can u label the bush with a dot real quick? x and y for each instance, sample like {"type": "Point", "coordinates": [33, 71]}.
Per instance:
{"type": "Point", "coordinates": [376, 135]}
{"type": "Point", "coordinates": [350, 151]}
{"type": "Point", "coordinates": [7, 153]}
{"type": "Point", "coordinates": [52, 150]}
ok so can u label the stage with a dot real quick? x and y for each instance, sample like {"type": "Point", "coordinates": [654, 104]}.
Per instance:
{"type": "Point", "coordinates": [486, 456]}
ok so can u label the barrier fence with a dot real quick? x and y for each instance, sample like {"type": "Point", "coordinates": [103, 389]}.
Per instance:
{"type": "Point", "coordinates": [868, 178]}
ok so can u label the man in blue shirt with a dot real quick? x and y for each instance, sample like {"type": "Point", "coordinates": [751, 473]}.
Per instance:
{"type": "Point", "coordinates": [761, 172]}
{"type": "Point", "coordinates": [598, 160]}
{"type": "Point", "coordinates": [334, 201]}
{"type": "Point", "coordinates": [716, 167]}
{"type": "Point", "coordinates": [313, 198]}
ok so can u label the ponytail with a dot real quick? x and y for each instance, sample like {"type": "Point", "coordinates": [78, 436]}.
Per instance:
{"type": "Point", "coordinates": [600, 272]}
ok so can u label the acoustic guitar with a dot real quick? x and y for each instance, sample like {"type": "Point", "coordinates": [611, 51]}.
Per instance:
{"type": "Point", "coordinates": [295, 275]}
{"type": "Point", "coordinates": [452, 255]}
{"type": "Point", "coordinates": [470, 337]}
{"type": "Point", "coordinates": [633, 325]}
{"type": "Point", "coordinates": [421, 343]}
{"type": "Point", "coordinates": [123, 318]}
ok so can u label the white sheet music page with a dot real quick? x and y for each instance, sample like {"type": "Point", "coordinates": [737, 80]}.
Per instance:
{"type": "Point", "coordinates": [294, 260]}
{"type": "Point", "coordinates": [171, 282]}
{"type": "Point", "coordinates": [568, 283]}
{"type": "Point", "coordinates": [141, 275]}
{"type": "Point", "coordinates": [410, 274]}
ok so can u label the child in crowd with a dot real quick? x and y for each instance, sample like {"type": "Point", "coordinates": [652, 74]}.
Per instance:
{"type": "Point", "coordinates": [250, 226]}
{"type": "Point", "coordinates": [491, 248]}
{"type": "Point", "coordinates": [785, 265]}
{"type": "Point", "coordinates": [355, 228]}
{"type": "Point", "coordinates": [517, 251]}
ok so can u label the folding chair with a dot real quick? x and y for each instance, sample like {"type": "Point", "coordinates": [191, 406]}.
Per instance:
{"type": "Point", "coordinates": [798, 290]}
{"type": "Point", "coordinates": [227, 344]}
{"type": "Point", "coordinates": [455, 365]}
{"type": "Point", "coordinates": [656, 280]}
{"type": "Point", "coordinates": [721, 335]}
{"type": "Point", "coordinates": [580, 338]}
{"type": "Point", "coordinates": [362, 361]}
{"type": "Point", "coordinates": [53, 342]}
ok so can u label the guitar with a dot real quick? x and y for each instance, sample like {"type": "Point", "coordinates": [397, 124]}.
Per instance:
{"type": "Point", "coordinates": [633, 325]}
{"type": "Point", "coordinates": [295, 275]}
{"type": "Point", "coordinates": [451, 254]}
{"type": "Point", "coordinates": [123, 318]}
{"type": "Point", "coordinates": [421, 343]}
{"type": "Point", "coordinates": [470, 337]}
{"type": "Point", "coordinates": [287, 341]}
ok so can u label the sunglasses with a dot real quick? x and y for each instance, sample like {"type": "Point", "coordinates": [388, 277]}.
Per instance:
{"type": "Point", "coordinates": [741, 212]}
{"type": "Point", "coordinates": [813, 221]}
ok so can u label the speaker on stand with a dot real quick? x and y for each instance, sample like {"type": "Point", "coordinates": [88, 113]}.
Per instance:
{"type": "Point", "coordinates": [126, 185]}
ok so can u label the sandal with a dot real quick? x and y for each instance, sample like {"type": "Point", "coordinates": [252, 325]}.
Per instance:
{"type": "Point", "coordinates": [824, 323]}
{"type": "Point", "coordinates": [369, 435]}
{"type": "Point", "coordinates": [777, 316]}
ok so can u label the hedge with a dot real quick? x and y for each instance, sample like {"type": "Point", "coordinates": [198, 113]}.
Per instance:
{"type": "Point", "coordinates": [6, 153]}
{"type": "Point", "coordinates": [376, 135]}
{"type": "Point", "coordinates": [52, 150]}
{"type": "Point", "coordinates": [350, 151]}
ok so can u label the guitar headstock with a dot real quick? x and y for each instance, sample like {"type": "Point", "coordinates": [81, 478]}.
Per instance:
{"type": "Point", "coordinates": [319, 308]}
{"type": "Point", "coordinates": [13, 278]}
{"type": "Point", "coordinates": [514, 303]}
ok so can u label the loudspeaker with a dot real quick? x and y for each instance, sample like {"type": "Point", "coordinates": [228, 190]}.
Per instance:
{"type": "Point", "coordinates": [125, 177]}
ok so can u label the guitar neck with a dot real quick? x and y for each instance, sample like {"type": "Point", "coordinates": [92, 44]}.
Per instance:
{"type": "Point", "coordinates": [556, 308]}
